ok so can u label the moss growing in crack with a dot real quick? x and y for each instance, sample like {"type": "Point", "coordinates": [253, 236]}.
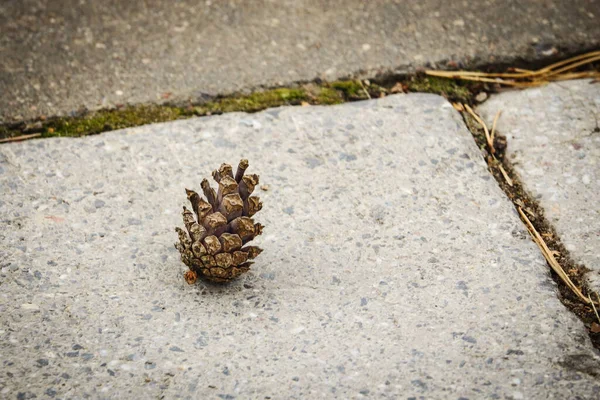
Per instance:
{"type": "Point", "coordinates": [449, 88]}
{"type": "Point", "coordinates": [327, 95]}
{"type": "Point", "coordinates": [253, 102]}
{"type": "Point", "coordinates": [351, 89]}
{"type": "Point", "coordinates": [107, 120]}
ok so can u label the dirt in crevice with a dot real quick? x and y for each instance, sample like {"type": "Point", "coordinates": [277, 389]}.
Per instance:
{"type": "Point", "coordinates": [521, 198]}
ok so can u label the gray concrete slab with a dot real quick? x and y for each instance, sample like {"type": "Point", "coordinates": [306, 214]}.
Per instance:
{"type": "Point", "coordinates": [58, 56]}
{"type": "Point", "coordinates": [554, 142]}
{"type": "Point", "coordinates": [393, 266]}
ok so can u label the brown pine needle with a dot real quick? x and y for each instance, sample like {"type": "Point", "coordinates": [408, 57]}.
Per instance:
{"type": "Point", "coordinates": [504, 174]}
{"type": "Point", "coordinates": [363, 88]}
{"type": "Point", "coordinates": [458, 107]}
{"type": "Point", "coordinates": [485, 129]}
{"type": "Point", "coordinates": [525, 71]}
{"type": "Point", "coordinates": [576, 75]}
{"type": "Point", "coordinates": [573, 66]}
{"type": "Point", "coordinates": [449, 74]}
{"type": "Point", "coordinates": [19, 138]}
{"type": "Point", "coordinates": [490, 141]}
{"type": "Point", "coordinates": [525, 78]}
{"type": "Point", "coordinates": [580, 57]}
{"type": "Point", "coordinates": [460, 75]}
{"type": "Point", "coordinates": [550, 258]}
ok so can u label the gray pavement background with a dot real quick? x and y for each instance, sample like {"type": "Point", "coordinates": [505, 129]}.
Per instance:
{"type": "Point", "coordinates": [393, 266]}
{"type": "Point", "coordinates": [553, 137]}
{"type": "Point", "coordinates": [58, 56]}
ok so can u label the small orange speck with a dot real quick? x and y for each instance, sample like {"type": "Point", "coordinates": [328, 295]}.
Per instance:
{"type": "Point", "coordinates": [190, 277]}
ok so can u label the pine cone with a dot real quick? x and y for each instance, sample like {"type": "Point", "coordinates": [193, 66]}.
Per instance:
{"type": "Point", "coordinates": [212, 246]}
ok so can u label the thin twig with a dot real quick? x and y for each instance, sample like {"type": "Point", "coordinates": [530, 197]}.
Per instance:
{"type": "Point", "coordinates": [363, 88]}
{"type": "Point", "coordinates": [19, 138]}
{"type": "Point", "coordinates": [550, 258]}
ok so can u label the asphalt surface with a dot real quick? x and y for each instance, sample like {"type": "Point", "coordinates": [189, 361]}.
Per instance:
{"type": "Point", "coordinates": [57, 57]}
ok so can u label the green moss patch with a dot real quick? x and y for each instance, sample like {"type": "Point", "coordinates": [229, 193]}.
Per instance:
{"type": "Point", "coordinates": [253, 102]}
{"type": "Point", "coordinates": [451, 89]}
{"type": "Point", "coordinates": [107, 120]}
{"type": "Point", "coordinates": [328, 96]}
{"type": "Point", "coordinates": [350, 89]}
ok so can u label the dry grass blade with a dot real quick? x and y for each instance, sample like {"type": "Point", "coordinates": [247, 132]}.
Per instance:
{"type": "Point", "coordinates": [19, 138]}
{"type": "Point", "coordinates": [485, 129]}
{"type": "Point", "coordinates": [494, 125]}
{"type": "Point", "coordinates": [550, 258]}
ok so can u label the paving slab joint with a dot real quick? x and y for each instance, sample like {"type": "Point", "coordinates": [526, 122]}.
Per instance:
{"type": "Point", "coordinates": [509, 181]}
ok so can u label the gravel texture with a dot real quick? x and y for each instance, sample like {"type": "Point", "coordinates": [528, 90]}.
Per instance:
{"type": "Point", "coordinates": [59, 56]}
{"type": "Point", "coordinates": [394, 266]}
{"type": "Point", "coordinates": [554, 142]}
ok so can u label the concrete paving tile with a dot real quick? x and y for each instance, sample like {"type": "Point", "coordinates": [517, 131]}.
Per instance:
{"type": "Point", "coordinates": [394, 266]}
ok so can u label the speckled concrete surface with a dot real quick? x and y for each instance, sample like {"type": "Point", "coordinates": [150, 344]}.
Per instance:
{"type": "Point", "coordinates": [393, 266]}
{"type": "Point", "coordinates": [554, 141]}
{"type": "Point", "coordinates": [58, 56]}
